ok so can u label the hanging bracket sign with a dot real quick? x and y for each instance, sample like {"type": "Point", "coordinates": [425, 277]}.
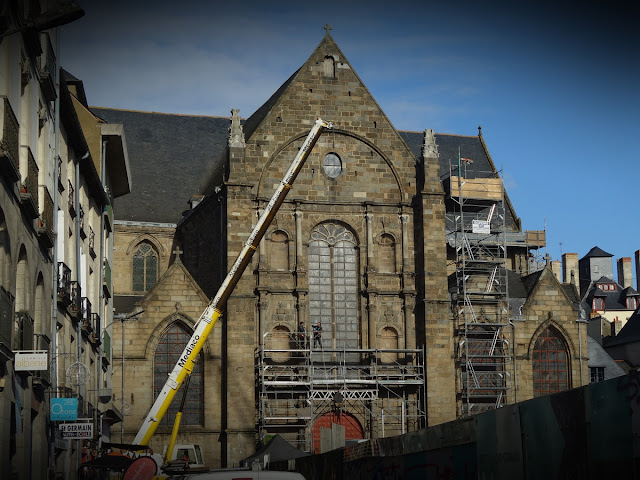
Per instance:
{"type": "Point", "coordinates": [79, 430]}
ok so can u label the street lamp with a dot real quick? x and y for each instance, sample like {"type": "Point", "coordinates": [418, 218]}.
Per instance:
{"type": "Point", "coordinates": [123, 317]}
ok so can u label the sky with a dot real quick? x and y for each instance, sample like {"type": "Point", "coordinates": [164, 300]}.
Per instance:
{"type": "Point", "coordinates": [554, 85]}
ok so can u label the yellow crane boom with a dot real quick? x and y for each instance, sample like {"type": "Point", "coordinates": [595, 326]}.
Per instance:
{"type": "Point", "coordinates": [210, 316]}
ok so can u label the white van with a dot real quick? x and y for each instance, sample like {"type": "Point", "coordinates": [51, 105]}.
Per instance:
{"type": "Point", "coordinates": [240, 474]}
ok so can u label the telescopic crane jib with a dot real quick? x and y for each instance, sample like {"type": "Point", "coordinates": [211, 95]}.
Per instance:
{"type": "Point", "coordinates": [210, 316]}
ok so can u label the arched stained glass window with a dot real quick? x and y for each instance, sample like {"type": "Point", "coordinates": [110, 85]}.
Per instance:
{"type": "Point", "coordinates": [550, 363]}
{"type": "Point", "coordinates": [168, 351]}
{"type": "Point", "coordinates": [333, 295]}
{"type": "Point", "coordinates": [145, 267]}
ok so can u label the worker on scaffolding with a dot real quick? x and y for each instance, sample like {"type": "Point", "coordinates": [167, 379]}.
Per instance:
{"type": "Point", "coordinates": [301, 335]}
{"type": "Point", "coordinates": [317, 335]}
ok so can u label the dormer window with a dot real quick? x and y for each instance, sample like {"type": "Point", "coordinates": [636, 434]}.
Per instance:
{"type": "Point", "coordinates": [598, 303]}
{"type": "Point", "coordinates": [632, 303]}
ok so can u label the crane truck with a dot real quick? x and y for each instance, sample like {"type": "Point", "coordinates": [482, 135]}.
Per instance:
{"type": "Point", "coordinates": [212, 312]}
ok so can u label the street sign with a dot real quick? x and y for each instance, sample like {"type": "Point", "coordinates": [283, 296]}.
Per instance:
{"type": "Point", "coordinates": [62, 409]}
{"type": "Point", "coordinates": [76, 430]}
{"type": "Point", "coordinates": [30, 360]}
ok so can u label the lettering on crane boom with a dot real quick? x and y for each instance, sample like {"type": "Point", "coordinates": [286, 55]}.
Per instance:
{"type": "Point", "coordinates": [188, 350]}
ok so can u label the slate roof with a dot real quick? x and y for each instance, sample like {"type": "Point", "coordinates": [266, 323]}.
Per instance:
{"type": "Point", "coordinates": [629, 333]}
{"type": "Point", "coordinates": [256, 118]}
{"type": "Point", "coordinates": [472, 147]}
{"type": "Point", "coordinates": [125, 303]}
{"type": "Point", "coordinates": [596, 252]}
{"type": "Point", "coordinates": [613, 300]}
{"type": "Point", "coordinates": [172, 157]}
{"type": "Point", "coordinates": [598, 357]}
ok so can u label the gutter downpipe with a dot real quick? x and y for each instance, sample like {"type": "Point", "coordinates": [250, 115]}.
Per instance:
{"type": "Point", "coordinates": [79, 280]}
{"type": "Point", "coordinates": [513, 359]}
{"type": "Point", "coordinates": [100, 290]}
{"type": "Point", "coordinates": [54, 306]}
{"type": "Point", "coordinates": [579, 321]}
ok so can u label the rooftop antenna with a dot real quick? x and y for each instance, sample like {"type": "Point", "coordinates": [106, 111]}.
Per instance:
{"type": "Point", "coordinates": [545, 235]}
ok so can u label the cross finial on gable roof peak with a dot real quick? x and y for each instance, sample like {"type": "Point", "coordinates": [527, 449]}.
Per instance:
{"type": "Point", "coordinates": [177, 253]}
{"type": "Point", "coordinates": [327, 27]}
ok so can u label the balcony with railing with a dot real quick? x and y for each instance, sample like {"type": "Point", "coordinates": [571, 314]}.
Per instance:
{"type": "Point", "coordinates": [85, 315]}
{"type": "Point", "coordinates": [108, 217]}
{"type": "Point", "coordinates": [106, 279]}
{"type": "Point", "coordinates": [44, 225]}
{"type": "Point", "coordinates": [24, 341]}
{"type": "Point", "coordinates": [29, 189]}
{"type": "Point", "coordinates": [94, 338]}
{"type": "Point", "coordinates": [75, 307]}
{"type": "Point", "coordinates": [71, 200]}
{"type": "Point", "coordinates": [81, 219]}
{"type": "Point", "coordinates": [64, 284]}
{"type": "Point", "coordinates": [92, 243]}
{"type": "Point", "coordinates": [42, 378]}
{"type": "Point", "coordinates": [60, 182]}
{"type": "Point", "coordinates": [48, 70]}
{"type": "Point", "coordinates": [6, 316]}
{"type": "Point", "coordinates": [106, 349]}
{"type": "Point", "coordinates": [9, 142]}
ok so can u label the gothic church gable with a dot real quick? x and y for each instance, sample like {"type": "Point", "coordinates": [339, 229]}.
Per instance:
{"type": "Point", "coordinates": [176, 295]}
{"type": "Point", "coordinates": [362, 159]}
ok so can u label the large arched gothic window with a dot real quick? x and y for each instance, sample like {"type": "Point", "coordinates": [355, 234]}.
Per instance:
{"type": "Point", "coordinates": [550, 363]}
{"type": "Point", "coordinates": [145, 267]}
{"type": "Point", "coordinates": [333, 274]}
{"type": "Point", "coordinates": [168, 351]}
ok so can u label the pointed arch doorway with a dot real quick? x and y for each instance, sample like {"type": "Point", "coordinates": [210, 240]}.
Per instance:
{"type": "Point", "coordinates": [352, 428]}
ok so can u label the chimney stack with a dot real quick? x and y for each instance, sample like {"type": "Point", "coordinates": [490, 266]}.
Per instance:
{"type": "Point", "coordinates": [625, 273]}
{"type": "Point", "coordinates": [638, 270]}
{"type": "Point", "coordinates": [570, 268]}
{"type": "Point", "coordinates": [556, 269]}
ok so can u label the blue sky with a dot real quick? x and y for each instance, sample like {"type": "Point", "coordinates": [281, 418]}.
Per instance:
{"type": "Point", "coordinates": [554, 86]}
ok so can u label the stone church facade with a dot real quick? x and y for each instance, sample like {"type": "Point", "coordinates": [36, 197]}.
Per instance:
{"type": "Point", "coordinates": [361, 245]}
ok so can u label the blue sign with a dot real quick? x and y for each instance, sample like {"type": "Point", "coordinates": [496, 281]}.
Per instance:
{"type": "Point", "coordinates": [64, 409]}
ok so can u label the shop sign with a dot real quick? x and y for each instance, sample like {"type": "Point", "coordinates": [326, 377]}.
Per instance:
{"type": "Point", "coordinates": [64, 409]}
{"type": "Point", "coordinates": [30, 360]}
{"type": "Point", "coordinates": [80, 430]}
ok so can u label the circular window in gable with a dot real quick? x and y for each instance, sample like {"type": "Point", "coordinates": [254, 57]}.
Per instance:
{"type": "Point", "coordinates": [332, 165]}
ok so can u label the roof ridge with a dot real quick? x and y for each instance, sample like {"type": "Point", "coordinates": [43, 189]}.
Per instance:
{"type": "Point", "coordinates": [160, 113]}
{"type": "Point", "coordinates": [437, 133]}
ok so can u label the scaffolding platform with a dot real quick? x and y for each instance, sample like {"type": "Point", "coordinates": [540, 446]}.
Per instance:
{"type": "Point", "coordinates": [383, 389]}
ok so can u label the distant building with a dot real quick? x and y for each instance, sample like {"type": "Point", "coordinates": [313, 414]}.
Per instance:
{"type": "Point", "coordinates": [625, 347]}
{"type": "Point", "coordinates": [606, 302]}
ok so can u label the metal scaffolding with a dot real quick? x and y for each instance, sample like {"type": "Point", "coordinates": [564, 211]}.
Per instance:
{"type": "Point", "coordinates": [481, 299]}
{"type": "Point", "coordinates": [383, 389]}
